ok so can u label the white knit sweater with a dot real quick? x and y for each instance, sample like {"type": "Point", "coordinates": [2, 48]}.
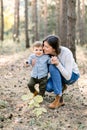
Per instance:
{"type": "Point", "coordinates": [67, 64]}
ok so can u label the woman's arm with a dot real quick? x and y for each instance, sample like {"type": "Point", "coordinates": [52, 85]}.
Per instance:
{"type": "Point", "coordinates": [66, 68]}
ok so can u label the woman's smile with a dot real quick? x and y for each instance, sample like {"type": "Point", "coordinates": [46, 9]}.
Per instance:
{"type": "Point", "coordinates": [48, 49]}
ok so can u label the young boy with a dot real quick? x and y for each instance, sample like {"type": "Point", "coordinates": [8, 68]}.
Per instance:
{"type": "Point", "coordinates": [39, 69]}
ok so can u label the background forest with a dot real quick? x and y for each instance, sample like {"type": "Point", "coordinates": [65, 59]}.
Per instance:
{"type": "Point", "coordinates": [22, 22]}
{"type": "Point", "coordinates": [31, 20]}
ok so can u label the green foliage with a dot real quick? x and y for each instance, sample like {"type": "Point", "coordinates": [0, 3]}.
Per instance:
{"type": "Point", "coordinates": [39, 111]}
{"type": "Point", "coordinates": [27, 97]}
{"type": "Point", "coordinates": [8, 20]}
{"type": "Point", "coordinates": [86, 13]}
{"type": "Point", "coordinates": [10, 47]}
{"type": "Point", "coordinates": [34, 103]}
{"type": "Point", "coordinates": [51, 19]}
{"type": "Point", "coordinates": [3, 104]}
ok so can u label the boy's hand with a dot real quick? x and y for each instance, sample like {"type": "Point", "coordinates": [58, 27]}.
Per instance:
{"type": "Point", "coordinates": [33, 62]}
{"type": "Point", "coordinates": [26, 64]}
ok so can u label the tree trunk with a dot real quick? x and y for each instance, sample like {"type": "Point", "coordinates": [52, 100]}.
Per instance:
{"type": "Point", "coordinates": [63, 22]}
{"type": "Point", "coordinates": [2, 21]}
{"type": "Point", "coordinates": [78, 22]}
{"type": "Point", "coordinates": [57, 17]}
{"type": "Point", "coordinates": [71, 26]}
{"type": "Point", "coordinates": [35, 20]}
{"type": "Point", "coordinates": [26, 24]}
{"type": "Point", "coordinates": [45, 18]}
{"type": "Point", "coordinates": [82, 25]}
{"type": "Point", "coordinates": [16, 21]}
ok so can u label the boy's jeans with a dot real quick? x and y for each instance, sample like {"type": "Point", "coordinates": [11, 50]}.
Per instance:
{"type": "Point", "coordinates": [56, 80]}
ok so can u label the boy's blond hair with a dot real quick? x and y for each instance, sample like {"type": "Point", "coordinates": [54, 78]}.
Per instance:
{"type": "Point", "coordinates": [37, 44]}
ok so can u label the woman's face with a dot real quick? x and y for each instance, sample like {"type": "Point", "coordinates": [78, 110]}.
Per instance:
{"type": "Point", "coordinates": [48, 49]}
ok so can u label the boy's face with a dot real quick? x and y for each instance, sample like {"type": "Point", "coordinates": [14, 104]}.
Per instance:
{"type": "Point", "coordinates": [38, 51]}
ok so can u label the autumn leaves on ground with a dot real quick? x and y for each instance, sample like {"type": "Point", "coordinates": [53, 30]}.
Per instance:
{"type": "Point", "coordinates": [19, 112]}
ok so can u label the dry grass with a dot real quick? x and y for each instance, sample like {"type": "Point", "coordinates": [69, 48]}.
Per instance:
{"type": "Point", "coordinates": [13, 84]}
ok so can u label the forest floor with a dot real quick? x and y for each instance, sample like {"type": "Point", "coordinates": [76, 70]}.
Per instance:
{"type": "Point", "coordinates": [14, 111]}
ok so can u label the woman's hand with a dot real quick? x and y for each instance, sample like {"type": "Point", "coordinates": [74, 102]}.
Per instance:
{"type": "Point", "coordinates": [54, 60]}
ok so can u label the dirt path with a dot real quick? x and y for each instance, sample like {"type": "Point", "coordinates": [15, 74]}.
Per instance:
{"type": "Point", "coordinates": [14, 112]}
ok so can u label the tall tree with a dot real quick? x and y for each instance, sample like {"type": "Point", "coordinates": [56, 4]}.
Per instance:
{"type": "Point", "coordinates": [57, 17]}
{"type": "Point", "coordinates": [26, 24]}
{"type": "Point", "coordinates": [2, 21]}
{"type": "Point", "coordinates": [78, 22]}
{"type": "Point", "coordinates": [16, 21]}
{"type": "Point", "coordinates": [35, 20]}
{"type": "Point", "coordinates": [63, 22]}
{"type": "Point", "coordinates": [45, 18]}
{"type": "Point", "coordinates": [82, 25]}
{"type": "Point", "coordinates": [71, 22]}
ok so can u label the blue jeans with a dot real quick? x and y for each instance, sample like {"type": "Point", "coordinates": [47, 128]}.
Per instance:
{"type": "Point", "coordinates": [56, 80]}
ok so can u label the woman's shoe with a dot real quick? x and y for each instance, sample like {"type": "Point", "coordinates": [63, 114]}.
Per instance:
{"type": "Point", "coordinates": [57, 102]}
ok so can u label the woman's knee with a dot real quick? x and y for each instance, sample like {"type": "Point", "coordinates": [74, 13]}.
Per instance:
{"type": "Point", "coordinates": [52, 68]}
{"type": "Point", "coordinates": [49, 86]}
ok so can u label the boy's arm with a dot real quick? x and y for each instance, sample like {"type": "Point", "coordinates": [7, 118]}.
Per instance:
{"type": "Point", "coordinates": [28, 62]}
{"type": "Point", "coordinates": [31, 60]}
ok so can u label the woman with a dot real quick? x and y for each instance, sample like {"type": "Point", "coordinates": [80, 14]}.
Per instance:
{"type": "Point", "coordinates": [63, 69]}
